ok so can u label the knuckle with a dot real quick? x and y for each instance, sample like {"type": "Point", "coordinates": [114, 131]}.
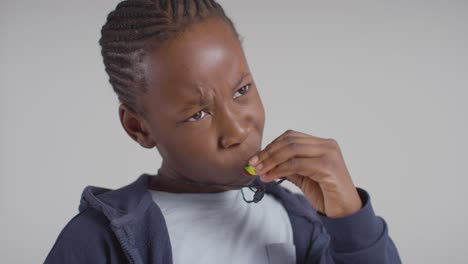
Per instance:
{"type": "Point", "coordinates": [332, 142]}
{"type": "Point", "coordinates": [293, 146]}
{"type": "Point", "coordinates": [288, 139]}
{"type": "Point", "coordinates": [268, 152]}
{"type": "Point", "coordinates": [271, 160]}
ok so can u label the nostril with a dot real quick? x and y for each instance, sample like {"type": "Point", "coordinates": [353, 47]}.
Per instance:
{"type": "Point", "coordinates": [229, 143]}
{"type": "Point", "coordinates": [234, 137]}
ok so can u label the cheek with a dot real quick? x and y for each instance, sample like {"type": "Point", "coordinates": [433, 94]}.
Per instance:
{"type": "Point", "coordinates": [259, 115]}
{"type": "Point", "coordinates": [190, 146]}
{"type": "Point", "coordinates": [262, 115]}
{"type": "Point", "coordinates": [194, 156]}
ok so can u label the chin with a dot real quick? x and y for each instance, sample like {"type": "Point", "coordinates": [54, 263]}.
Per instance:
{"type": "Point", "coordinates": [245, 179]}
{"type": "Point", "coordinates": [236, 177]}
{"type": "Point", "coordinates": [249, 180]}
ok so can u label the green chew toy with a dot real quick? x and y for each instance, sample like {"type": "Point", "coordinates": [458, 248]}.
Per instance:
{"type": "Point", "coordinates": [250, 169]}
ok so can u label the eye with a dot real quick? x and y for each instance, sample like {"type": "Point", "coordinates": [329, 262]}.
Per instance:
{"type": "Point", "coordinates": [196, 117]}
{"type": "Point", "coordinates": [243, 90]}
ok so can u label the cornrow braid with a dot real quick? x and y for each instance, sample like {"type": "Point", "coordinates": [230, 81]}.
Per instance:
{"type": "Point", "coordinates": [137, 26]}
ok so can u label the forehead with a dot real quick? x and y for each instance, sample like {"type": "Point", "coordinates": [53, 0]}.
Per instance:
{"type": "Point", "coordinates": [205, 54]}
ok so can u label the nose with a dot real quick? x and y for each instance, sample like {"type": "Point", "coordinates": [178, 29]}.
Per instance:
{"type": "Point", "coordinates": [233, 131]}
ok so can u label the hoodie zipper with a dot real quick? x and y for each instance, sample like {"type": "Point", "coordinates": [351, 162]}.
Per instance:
{"type": "Point", "coordinates": [124, 246]}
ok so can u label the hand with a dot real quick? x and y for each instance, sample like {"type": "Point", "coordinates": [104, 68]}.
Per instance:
{"type": "Point", "coordinates": [316, 166]}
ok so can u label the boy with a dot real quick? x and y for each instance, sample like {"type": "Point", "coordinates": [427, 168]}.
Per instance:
{"type": "Point", "coordinates": [185, 89]}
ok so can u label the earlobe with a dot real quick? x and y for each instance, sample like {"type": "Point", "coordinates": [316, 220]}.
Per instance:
{"type": "Point", "coordinates": [135, 126]}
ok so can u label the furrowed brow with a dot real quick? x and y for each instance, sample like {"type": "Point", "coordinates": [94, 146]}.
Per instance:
{"type": "Point", "coordinates": [202, 101]}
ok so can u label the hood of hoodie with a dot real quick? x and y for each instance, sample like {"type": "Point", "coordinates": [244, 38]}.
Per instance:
{"type": "Point", "coordinates": [120, 204]}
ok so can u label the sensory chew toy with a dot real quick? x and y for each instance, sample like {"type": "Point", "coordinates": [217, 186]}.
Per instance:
{"type": "Point", "coordinates": [250, 170]}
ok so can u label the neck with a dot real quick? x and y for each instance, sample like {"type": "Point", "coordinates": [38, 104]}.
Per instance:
{"type": "Point", "coordinates": [175, 183]}
{"type": "Point", "coordinates": [165, 184]}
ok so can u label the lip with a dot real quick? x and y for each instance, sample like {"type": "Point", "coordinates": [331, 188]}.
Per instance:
{"type": "Point", "coordinates": [243, 158]}
{"type": "Point", "coordinates": [242, 165]}
{"type": "Point", "coordinates": [240, 170]}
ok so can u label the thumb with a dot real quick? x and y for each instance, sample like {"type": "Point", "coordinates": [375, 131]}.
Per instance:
{"type": "Point", "coordinates": [296, 179]}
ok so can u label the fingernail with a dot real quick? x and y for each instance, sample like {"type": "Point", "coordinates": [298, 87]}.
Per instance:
{"type": "Point", "coordinates": [253, 160]}
{"type": "Point", "coordinates": [259, 167]}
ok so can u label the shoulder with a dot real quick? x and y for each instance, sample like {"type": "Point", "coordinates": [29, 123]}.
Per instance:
{"type": "Point", "coordinates": [85, 226]}
{"type": "Point", "coordinates": [86, 237]}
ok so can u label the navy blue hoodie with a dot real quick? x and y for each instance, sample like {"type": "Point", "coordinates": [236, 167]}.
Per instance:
{"type": "Point", "coordinates": [126, 226]}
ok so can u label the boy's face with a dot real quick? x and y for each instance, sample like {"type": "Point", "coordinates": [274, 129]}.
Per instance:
{"type": "Point", "coordinates": [203, 110]}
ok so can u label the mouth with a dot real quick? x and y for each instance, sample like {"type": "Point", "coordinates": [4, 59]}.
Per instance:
{"type": "Point", "coordinates": [248, 175]}
{"type": "Point", "coordinates": [244, 171]}
{"type": "Point", "coordinates": [249, 170]}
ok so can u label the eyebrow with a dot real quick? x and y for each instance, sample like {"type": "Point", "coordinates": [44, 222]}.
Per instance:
{"type": "Point", "coordinates": [238, 83]}
{"type": "Point", "coordinates": [203, 101]}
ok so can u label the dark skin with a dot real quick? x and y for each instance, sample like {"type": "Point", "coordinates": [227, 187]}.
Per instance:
{"type": "Point", "coordinates": [211, 140]}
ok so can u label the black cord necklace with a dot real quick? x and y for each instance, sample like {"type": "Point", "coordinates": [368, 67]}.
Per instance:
{"type": "Point", "coordinates": [258, 193]}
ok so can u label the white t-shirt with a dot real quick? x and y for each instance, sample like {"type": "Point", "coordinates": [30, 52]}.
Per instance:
{"type": "Point", "coordinates": [222, 228]}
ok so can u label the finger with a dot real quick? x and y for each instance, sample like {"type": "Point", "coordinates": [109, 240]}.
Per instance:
{"type": "Point", "coordinates": [301, 134]}
{"type": "Point", "coordinates": [279, 143]}
{"type": "Point", "coordinates": [289, 151]}
{"type": "Point", "coordinates": [312, 168]}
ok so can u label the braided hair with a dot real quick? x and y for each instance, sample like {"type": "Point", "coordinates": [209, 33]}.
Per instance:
{"type": "Point", "coordinates": [137, 26]}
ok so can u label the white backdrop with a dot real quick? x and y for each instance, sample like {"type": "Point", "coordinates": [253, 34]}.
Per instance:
{"type": "Point", "coordinates": [388, 80]}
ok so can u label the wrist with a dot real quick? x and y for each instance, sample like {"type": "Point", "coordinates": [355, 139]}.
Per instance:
{"type": "Point", "coordinates": [348, 205]}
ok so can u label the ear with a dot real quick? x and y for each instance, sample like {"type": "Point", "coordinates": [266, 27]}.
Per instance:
{"type": "Point", "coordinates": [136, 127]}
